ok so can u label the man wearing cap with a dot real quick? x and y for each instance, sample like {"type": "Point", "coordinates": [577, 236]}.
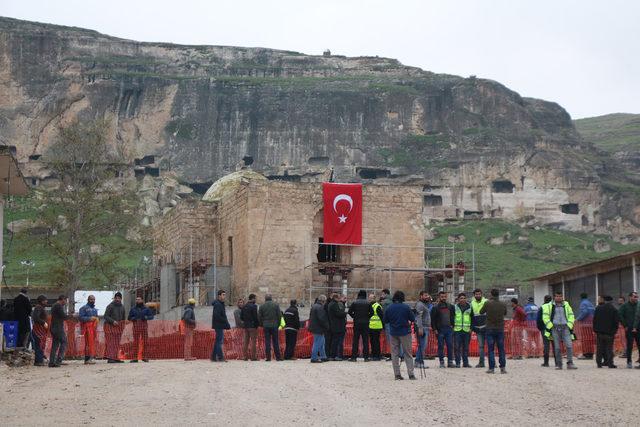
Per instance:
{"type": "Point", "coordinates": [139, 315]}
{"type": "Point", "coordinates": [88, 316]}
{"type": "Point", "coordinates": [114, 316]}
{"type": "Point", "coordinates": [58, 335]}
{"type": "Point", "coordinates": [40, 329]}
{"type": "Point", "coordinates": [189, 324]}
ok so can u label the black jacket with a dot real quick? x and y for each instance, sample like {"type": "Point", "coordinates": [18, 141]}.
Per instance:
{"type": "Point", "coordinates": [58, 317]}
{"type": "Point", "coordinates": [318, 321]}
{"type": "Point", "coordinates": [219, 316]}
{"type": "Point", "coordinates": [435, 315]}
{"type": "Point", "coordinates": [249, 315]}
{"type": "Point", "coordinates": [291, 318]}
{"type": "Point", "coordinates": [361, 312]}
{"type": "Point", "coordinates": [22, 309]}
{"type": "Point", "coordinates": [606, 319]}
{"type": "Point", "coordinates": [337, 317]}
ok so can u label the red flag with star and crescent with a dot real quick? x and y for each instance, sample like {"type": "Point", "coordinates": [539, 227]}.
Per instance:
{"type": "Point", "coordinates": [342, 213]}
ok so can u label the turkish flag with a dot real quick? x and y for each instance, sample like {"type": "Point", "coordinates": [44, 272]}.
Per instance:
{"type": "Point", "coordinates": [342, 213]}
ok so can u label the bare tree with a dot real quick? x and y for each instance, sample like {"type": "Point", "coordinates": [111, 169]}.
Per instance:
{"type": "Point", "coordinates": [91, 209]}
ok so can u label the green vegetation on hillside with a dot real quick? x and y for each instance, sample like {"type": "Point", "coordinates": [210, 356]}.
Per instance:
{"type": "Point", "coordinates": [516, 260]}
{"type": "Point", "coordinates": [612, 132]}
{"type": "Point", "coordinates": [29, 245]}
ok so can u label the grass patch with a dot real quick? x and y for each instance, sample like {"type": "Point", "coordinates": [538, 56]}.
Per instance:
{"type": "Point", "coordinates": [515, 261]}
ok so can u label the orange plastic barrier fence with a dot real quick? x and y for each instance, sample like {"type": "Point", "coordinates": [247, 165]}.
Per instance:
{"type": "Point", "coordinates": [164, 339]}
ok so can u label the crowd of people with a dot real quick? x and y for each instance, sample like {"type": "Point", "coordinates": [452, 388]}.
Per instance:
{"type": "Point", "coordinates": [372, 315]}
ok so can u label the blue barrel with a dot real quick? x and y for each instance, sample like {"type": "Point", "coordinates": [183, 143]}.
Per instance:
{"type": "Point", "coordinates": [10, 332]}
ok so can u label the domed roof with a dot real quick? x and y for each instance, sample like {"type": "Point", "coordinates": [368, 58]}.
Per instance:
{"type": "Point", "coordinates": [229, 183]}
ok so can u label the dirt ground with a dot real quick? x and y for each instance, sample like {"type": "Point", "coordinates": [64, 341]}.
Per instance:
{"type": "Point", "coordinates": [335, 393]}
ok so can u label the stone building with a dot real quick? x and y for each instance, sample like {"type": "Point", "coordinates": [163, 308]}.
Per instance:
{"type": "Point", "coordinates": [266, 237]}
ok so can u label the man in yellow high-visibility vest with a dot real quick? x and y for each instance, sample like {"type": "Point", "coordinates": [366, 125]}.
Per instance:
{"type": "Point", "coordinates": [558, 320]}
{"type": "Point", "coordinates": [375, 327]}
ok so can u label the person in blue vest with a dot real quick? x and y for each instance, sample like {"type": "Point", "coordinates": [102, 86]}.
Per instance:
{"type": "Point", "coordinates": [585, 328]}
{"type": "Point", "coordinates": [139, 315]}
{"type": "Point", "coordinates": [462, 330]}
{"type": "Point", "coordinates": [531, 331]}
{"type": "Point", "coordinates": [88, 316]}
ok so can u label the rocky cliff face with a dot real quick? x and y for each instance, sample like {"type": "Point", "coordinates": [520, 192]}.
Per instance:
{"type": "Point", "coordinates": [200, 112]}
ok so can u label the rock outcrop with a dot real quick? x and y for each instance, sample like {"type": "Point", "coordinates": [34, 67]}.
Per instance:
{"type": "Point", "coordinates": [201, 112]}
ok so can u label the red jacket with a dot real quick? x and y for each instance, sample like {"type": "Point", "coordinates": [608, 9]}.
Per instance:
{"type": "Point", "coordinates": [519, 316]}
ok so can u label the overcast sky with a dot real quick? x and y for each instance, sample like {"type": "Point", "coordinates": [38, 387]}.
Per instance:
{"type": "Point", "coordinates": [583, 54]}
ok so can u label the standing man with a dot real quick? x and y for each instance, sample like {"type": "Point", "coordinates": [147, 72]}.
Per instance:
{"type": "Point", "coordinates": [478, 323]}
{"type": "Point", "coordinates": [495, 311]}
{"type": "Point", "coordinates": [518, 322]}
{"type": "Point", "coordinates": [58, 334]}
{"type": "Point", "coordinates": [219, 323]}
{"type": "Point", "coordinates": [375, 326]}
{"type": "Point", "coordinates": [462, 330]}
{"type": "Point", "coordinates": [628, 312]}
{"type": "Point", "coordinates": [361, 312]}
{"type": "Point", "coordinates": [237, 314]}
{"type": "Point", "coordinates": [338, 325]}
{"type": "Point", "coordinates": [291, 326]}
{"type": "Point", "coordinates": [546, 342]}
{"type": "Point", "coordinates": [114, 316]}
{"type": "Point", "coordinates": [328, 335]}
{"type": "Point", "coordinates": [251, 322]}
{"type": "Point", "coordinates": [399, 318]}
{"type": "Point", "coordinates": [22, 314]}
{"type": "Point", "coordinates": [558, 319]}
{"type": "Point", "coordinates": [605, 325]}
{"type": "Point", "coordinates": [318, 326]}
{"type": "Point", "coordinates": [40, 329]}
{"type": "Point", "coordinates": [422, 325]}
{"type": "Point", "coordinates": [139, 315]}
{"type": "Point", "coordinates": [385, 301]}
{"type": "Point", "coordinates": [442, 320]}
{"type": "Point", "coordinates": [531, 312]}
{"type": "Point", "coordinates": [189, 322]}
{"type": "Point", "coordinates": [585, 326]}
{"type": "Point", "coordinates": [269, 314]}
{"type": "Point", "coordinates": [88, 316]}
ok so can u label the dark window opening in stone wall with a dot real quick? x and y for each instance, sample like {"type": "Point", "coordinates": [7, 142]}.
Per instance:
{"type": "Point", "coordinates": [138, 173]}
{"type": "Point", "coordinates": [147, 160]}
{"type": "Point", "coordinates": [570, 208]}
{"type": "Point", "coordinates": [328, 253]}
{"type": "Point", "coordinates": [502, 186]}
{"type": "Point", "coordinates": [432, 200]}
{"type": "Point", "coordinates": [35, 156]}
{"type": "Point", "coordinates": [371, 173]}
{"type": "Point", "coordinates": [248, 160]}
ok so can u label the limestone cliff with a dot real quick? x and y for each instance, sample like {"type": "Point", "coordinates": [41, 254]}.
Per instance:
{"type": "Point", "coordinates": [201, 112]}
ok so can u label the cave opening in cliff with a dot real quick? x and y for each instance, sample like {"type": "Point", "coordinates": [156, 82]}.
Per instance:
{"type": "Point", "coordinates": [473, 215]}
{"type": "Point", "coordinates": [155, 172]}
{"type": "Point", "coordinates": [502, 186]}
{"type": "Point", "coordinates": [138, 173]}
{"type": "Point", "coordinates": [585, 221]}
{"type": "Point", "coordinates": [200, 187]}
{"type": "Point", "coordinates": [570, 208]}
{"type": "Point", "coordinates": [247, 160]}
{"type": "Point", "coordinates": [432, 200]}
{"type": "Point", "coordinates": [318, 161]}
{"type": "Point", "coordinates": [372, 173]}
{"type": "Point", "coordinates": [35, 156]}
